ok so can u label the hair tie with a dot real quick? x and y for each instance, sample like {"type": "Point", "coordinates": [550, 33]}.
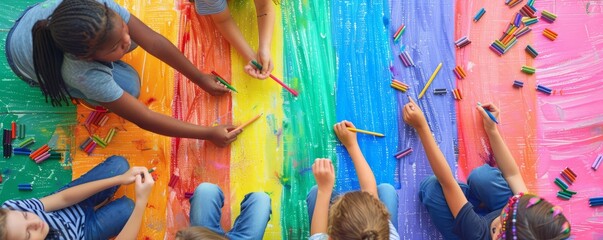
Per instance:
{"type": "Point", "coordinates": [556, 210]}
{"type": "Point", "coordinates": [565, 228]}
{"type": "Point", "coordinates": [533, 201]}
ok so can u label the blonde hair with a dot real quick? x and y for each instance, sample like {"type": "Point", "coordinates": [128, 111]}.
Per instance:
{"type": "Point", "coordinates": [198, 233]}
{"type": "Point", "coordinates": [3, 214]}
{"type": "Point", "coordinates": [358, 215]}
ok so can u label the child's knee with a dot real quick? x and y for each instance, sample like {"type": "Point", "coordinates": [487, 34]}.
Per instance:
{"type": "Point", "coordinates": [386, 189]}
{"type": "Point", "coordinates": [262, 200]}
{"type": "Point", "coordinates": [429, 187]}
{"type": "Point", "coordinates": [483, 174]}
{"type": "Point", "coordinates": [207, 189]}
{"type": "Point", "coordinates": [118, 163]}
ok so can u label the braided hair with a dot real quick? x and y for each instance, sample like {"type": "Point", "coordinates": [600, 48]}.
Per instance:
{"type": "Point", "coordinates": [76, 27]}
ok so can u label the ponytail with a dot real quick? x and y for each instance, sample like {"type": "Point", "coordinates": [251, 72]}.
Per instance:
{"type": "Point", "coordinates": [48, 60]}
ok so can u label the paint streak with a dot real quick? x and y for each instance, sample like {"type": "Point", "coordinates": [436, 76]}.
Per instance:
{"type": "Point", "coordinates": [257, 152]}
{"type": "Point", "coordinates": [308, 134]}
{"type": "Point", "coordinates": [197, 161]}
{"type": "Point", "coordinates": [429, 41]}
{"type": "Point", "coordinates": [569, 121]}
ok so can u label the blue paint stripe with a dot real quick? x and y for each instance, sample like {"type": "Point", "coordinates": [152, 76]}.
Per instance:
{"type": "Point", "coordinates": [363, 93]}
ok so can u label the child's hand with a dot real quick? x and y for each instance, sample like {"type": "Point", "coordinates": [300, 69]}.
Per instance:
{"type": "Point", "coordinates": [266, 62]}
{"type": "Point", "coordinates": [144, 185]}
{"type": "Point", "coordinates": [222, 135]}
{"type": "Point", "coordinates": [211, 85]}
{"type": "Point", "coordinates": [347, 137]}
{"type": "Point", "coordinates": [413, 115]}
{"type": "Point", "coordinates": [130, 176]}
{"type": "Point", "coordinates": [324, 174]}
{"type": "Point", "coordinates": [488, 123]}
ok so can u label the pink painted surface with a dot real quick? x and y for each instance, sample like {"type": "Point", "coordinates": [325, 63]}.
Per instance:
{"type": "Point", "coordinates": [490, 79]}
{"type": "Point", "coordinates": [570, 122]}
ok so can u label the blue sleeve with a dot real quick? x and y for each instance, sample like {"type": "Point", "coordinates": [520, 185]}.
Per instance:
{"type": "Point", "coordinates": [123, 12]}
{"type": "Point", "coordinates": [30, 205]}
{"type": "Point", "coordinates": [469, 225]}
{"type": "Point", "coordinates": [207, 7]}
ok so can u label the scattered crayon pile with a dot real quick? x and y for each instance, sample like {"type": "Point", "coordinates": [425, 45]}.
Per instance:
{"type": "Point", "coordinates": [406, 60]}
{"type": "Point", "coordinates": [597, 162]}
{"type": "Point", "coordinates": [462, 42]}
{"type": "Point", "coordinates": [402, 153]}
{"type": "Point", "coordinates": [570, 177]}
{"type": "Point", "coordinates": [440, 91]}
{"type": "Point", "coordinates": [399, 32]}
{"type": "Point", "coordinates": [399, 85]}
{"type": "Point", "coordinates": [459, 72]}
{"type": "Point", "coordinates": [595, 201]}
{"type": "Point", "coordinates": [479, 15]}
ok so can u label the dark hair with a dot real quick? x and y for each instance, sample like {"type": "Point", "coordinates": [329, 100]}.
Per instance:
{"type": "Point", "coordinates": [198, 233]}
{"type": "Point", "coordinates": [358, 215]}
{"type": "Point", "coordinates": [76, 27]}
{"type": "Point", "coordinates": [539, 221]}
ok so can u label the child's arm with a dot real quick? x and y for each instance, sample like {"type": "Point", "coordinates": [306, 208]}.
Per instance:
{"type": "Point", "coordinates": [76, 194]}
{"type": "Point", "coordinates": [452, 191]}
{"type": "Point", "coordinates": [160, 47]}
{"type": "Point", "coordinates": [265, 15]}
{"type": "Point", "coordinates": [134, 111]}
{"type": "Point", "coordinates": [143, 190]}
{"type": "Point", "coordinates": [325, 179]}
{"type": "Point", "coordinates": [504, 159]}
{"type": "Point", "coordinates": [363, 170]}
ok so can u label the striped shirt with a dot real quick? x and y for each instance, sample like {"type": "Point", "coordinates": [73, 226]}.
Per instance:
{"type": "Point", "coordinates": [67, 222]}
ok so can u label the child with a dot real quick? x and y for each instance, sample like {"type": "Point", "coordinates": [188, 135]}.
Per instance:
{"type": "Point", "coordinates": [370, 213]}
{"type": "Point", "coordinates": [80, 209]}
{"type": "Point", "coordinates": [479, 209]}
{"type": "Point", "coordinates": [220, 15]}
{"type": "Point", "coordinates": [71, 48]}
{"type": "Point", "coordinates": [206, 205]}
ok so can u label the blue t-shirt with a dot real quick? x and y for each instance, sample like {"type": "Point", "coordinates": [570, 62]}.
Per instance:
{"type": "Point", "coordinates": [93, 79]}
{"type": "Point", "coordinates": [470, 225]}
{"type": "Point", "coordinates": [393, 234]}
{"type": "Point", "coordinates": [206, 7]}
{"type": "Point", "coordinates": [68, 222]}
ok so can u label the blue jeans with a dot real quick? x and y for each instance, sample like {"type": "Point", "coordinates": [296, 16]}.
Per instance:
{"type": "Point", "coordinates": [387, 195]}
{"type": "Point", "coordinates": [206, 210]}
{"type": "Point", "coordinates": [108, 220]}
{"type": "Point", "coordinates": [486, 190]}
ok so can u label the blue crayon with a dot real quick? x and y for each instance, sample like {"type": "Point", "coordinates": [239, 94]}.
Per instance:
{"type": "Point", "coordinates": [479, 14]}
{"type": "Point", "coordinates": [488, 112]}
{"type": "Point", "coordinates": [544, 89]}
{"type": "Point", "coordinates": [517, 83]}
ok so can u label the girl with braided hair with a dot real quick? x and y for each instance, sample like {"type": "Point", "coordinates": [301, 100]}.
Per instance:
{"type": "Point", "coordinates": [72, 49]}
{"type": "Point", "coordinates": [494, 204]}
{"type": "Point", "coordinates": [368, 214]}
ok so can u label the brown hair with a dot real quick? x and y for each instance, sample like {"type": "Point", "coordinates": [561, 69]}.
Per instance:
{"type": "Point", "coordinates": [358, 215]}
{"type": "Point", "coordinates": [539, 221]}
{"type": "Point", "coordinates": [198, 233]}
{"type": "Point", "coordinates": [3, 213]}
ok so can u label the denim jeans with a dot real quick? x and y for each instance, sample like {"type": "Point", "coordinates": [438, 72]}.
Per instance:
{"type": "Point", "coordinates": [206, 210]}
{"type": "Point", "coordinates": [108, 220]}
{"type": "Point", "coordinates": [486, 190]}
{"type": "Point", "coordinates": [387, 195]}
